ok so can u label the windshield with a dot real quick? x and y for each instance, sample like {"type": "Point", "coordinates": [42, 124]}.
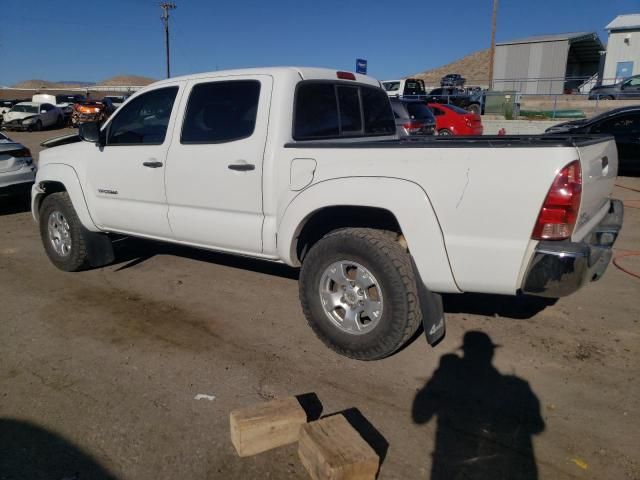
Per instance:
{"type": "Point", "coordinates": [25, 108]}
{"type": "Point", "coordinates": [390, 86]}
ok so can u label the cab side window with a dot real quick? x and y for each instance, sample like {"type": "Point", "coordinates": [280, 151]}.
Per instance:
{"type": "Point", "coordinates": [620, 125]}
{"type": "Point", "coordinates": [144, 120]}
{"type": "Point", "coordinates": [220, 112]}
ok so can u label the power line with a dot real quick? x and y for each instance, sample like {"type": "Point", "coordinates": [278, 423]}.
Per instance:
{"type": "Point", "coordinates": [166, 6]}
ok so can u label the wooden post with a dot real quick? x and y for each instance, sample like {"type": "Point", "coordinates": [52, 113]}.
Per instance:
{"type": "Point", "coordinates": [331, 449]}
{"type": "Point", "coordinates": [266, 426]}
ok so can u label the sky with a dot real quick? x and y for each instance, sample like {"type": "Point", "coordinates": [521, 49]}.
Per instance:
{"type": "Point", "coordinates": [91, 40]}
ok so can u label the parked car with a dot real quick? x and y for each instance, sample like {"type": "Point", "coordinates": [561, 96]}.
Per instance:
{"type": "Point", "coordinates": [452, 120]}
{"type": "Point", "coordinates": [5, 106]}
{"type": "Point", "coordinates": [413, 118]}
{"type": "Point", "coordinates": [409, 88]}
{"type": "Point", "coordinates": [458, 97]}
{"type": "Point", "coordinates": [17, 170]}
{"type": "Point", "coordinates": [116, 100]}
{"type": "Point", "coordinates": [91, 111]}
{"type": "Point", "coordinates": [32, 116]}
{"type": "Point", "coordinates": [66, 103]}
{"type": "Point", "coordinates": [625, 90]}
{"type": "Point", "coordinates": [623, 123]}
{"type": "Point", "coordinates": [453, 80]}
{"type": "Point", "coordinates": [301, 166]}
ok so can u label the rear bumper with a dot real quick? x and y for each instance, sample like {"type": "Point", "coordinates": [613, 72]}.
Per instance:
{"type": "Point", "coordinates": [17, 178]}
{"type": "Point", "coordinates": [558, 269]}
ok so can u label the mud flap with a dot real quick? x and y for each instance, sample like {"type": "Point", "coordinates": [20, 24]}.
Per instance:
{"type": "Point", "coordinates": [432, 311]}
{"type": "Point", "coordinates": [99, 248]}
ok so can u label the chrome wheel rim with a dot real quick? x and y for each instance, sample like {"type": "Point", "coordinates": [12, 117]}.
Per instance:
{"type": "Point", "coordinates": [59, 233]}
{"type": "Point", "coordinates": [351, 297]}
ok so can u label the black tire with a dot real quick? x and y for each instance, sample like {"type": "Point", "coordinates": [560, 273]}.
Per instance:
{"type": "Point", "coordinates": [606, 97]}
{"type": "Point", "coordinates": [60, 121]}
{"type": "Point", "coordinates": [37, 126]}
{"type": "Point", "coordinates": [77, 258]}
{"type": "Point", "coordinates": [474, 108]}
{"type": "Point", "coordinates": [445, 132]}
{"type": "Point", "coordinates": [390, 264]}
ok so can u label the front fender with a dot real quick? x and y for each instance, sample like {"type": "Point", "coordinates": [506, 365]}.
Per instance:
{"type": "Point", "coordinates": [407, 201]}
{"type": "Point", "coordinates": [68, 177]}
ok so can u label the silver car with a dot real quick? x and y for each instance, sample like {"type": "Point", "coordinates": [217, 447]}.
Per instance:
{"type": "Point", "coordinates": [17, 170]}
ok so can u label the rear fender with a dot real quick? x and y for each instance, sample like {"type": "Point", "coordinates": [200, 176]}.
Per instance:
{"type": "Point", "coordinates": [407, 201]}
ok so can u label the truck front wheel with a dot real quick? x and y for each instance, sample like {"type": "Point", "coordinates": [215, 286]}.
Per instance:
{"type": "Point", "coordinates": [61, 233]}
{"type": "Point", "coordinates": [359, 294]}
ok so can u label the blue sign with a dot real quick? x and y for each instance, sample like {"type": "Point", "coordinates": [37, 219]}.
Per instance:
{"type": "Point", "coordinates": [361, 66]}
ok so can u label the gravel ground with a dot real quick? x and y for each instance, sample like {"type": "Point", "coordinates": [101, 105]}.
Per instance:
{"type": "Point", "coordinates": [99, 370]}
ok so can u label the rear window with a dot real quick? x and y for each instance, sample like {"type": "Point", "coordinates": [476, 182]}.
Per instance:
{"type": "Point", "coordinates": [330, 110]}
{"type": "Point", "coordinates": [455, 109]}
{"type": "Point", "coordinates": [414, 87]}
{"type": "Point", "coordinates": [391, 86]}
{"type": "Point", "coordinates": [419, 111]}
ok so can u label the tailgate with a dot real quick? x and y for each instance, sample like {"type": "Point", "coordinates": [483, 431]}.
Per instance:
{"type": "Point", "coordinates": [599, 161]}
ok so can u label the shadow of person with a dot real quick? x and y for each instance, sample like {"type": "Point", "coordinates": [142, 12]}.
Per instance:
{"type": "Point", "coordinates": [486, 420]}
{"type": "Point", "coordinates": [28, 451]}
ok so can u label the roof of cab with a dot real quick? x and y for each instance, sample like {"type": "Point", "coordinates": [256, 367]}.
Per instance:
{"type": "Point", "coordinates": [305, 73]}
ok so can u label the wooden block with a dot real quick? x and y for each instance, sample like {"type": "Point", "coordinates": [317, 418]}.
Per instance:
{"type": "Point", "coordinates": [331, 449]}
{"type": "Point", "coordinates": [265, 426]}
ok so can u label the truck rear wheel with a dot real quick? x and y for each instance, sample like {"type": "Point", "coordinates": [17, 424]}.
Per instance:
{"type": "Point", "coordinates": [359, 294]}
{"type": "Point", "coordinates": [61, 233]}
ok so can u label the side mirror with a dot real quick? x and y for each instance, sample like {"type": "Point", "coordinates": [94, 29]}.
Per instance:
{"type": "Point", "coordinates": [43, 111]}
{"type": "Point", "coordinates": [89, 132]}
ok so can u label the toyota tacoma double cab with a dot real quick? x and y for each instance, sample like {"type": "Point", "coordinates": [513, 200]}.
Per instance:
{"type": "Point", "coordinates": [302, 166]}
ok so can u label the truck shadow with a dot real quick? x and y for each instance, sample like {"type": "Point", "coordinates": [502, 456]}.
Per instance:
{"type": "Point", "coordinates": [520, 307]}
{"type": "Point", "coordinates": [485, 420]}
{"type": "Point", "coordinates": [133, 251]}
{"type": "Point", "coordinates": [30, 451]}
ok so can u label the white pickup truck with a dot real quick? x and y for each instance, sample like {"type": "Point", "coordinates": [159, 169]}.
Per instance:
{"type": "Point", "coordinates": [302, 166]}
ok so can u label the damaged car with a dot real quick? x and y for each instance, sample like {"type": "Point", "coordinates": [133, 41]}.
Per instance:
{"type": "Point", "coordinates": [32, 116]}
{"type": "Point", "coordinates": [91, 111]}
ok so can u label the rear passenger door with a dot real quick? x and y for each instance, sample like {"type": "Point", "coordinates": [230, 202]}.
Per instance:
{"type": "Point", "coordinates": [214, 167]}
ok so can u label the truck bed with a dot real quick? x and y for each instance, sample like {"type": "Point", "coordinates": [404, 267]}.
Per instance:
{"type": "Point", "coordinates": [483, 141]}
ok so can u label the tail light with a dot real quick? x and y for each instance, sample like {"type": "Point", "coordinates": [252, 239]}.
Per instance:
{"type": "Point", "coordinates": [413, 127]}
{"type": "Point", "coordinates": [345, 75]}
{"type": "Point", "coordinates": [467, 120]}
{"type": "Point", "coordinates": [559, 212]}
{"type": "Point", "coordinates": [22, 153]}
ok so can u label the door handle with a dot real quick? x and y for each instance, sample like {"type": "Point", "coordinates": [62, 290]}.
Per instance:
{"type": "Point", "coordinates": [242, 167]}
{"type": "Point", "coordinates": [153, 164]}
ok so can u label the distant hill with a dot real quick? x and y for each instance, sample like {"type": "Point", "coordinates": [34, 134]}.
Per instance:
{"type": "Point", "coordinates": [473, 67]}
{"type": "Point", "coordinates": [134, 80]}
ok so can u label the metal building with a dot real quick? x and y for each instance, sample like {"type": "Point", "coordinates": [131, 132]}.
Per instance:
{"type": "Point", "coordinates": [623, 48]}
{"type": "Point", "coordinates": [546, 64]}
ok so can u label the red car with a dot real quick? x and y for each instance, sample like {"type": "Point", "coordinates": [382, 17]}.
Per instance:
{"type": "Point", "coordinates": [452, 120]}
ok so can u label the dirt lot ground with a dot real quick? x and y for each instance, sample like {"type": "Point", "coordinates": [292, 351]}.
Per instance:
{"type": "Point", "coordinates": [99, 370]}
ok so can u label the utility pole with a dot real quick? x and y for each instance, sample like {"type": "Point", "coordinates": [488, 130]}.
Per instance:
{"type": "Point", "coordinates": [166, 6]}
{"type": "Point", "coordinates": [492, 51]}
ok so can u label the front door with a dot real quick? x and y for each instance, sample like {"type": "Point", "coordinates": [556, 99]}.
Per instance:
{"type": "Point", "coordinates": [214, 167]}
{"type": "Point", "coordinates": [126, 176]}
